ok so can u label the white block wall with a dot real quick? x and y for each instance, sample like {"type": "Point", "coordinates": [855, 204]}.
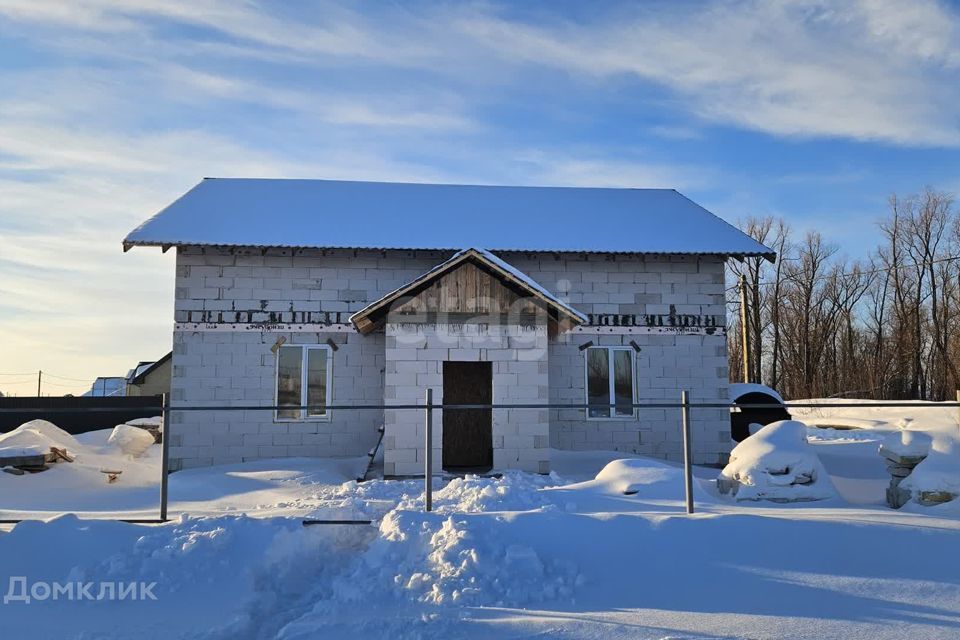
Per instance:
{"type": "Point", "coordinates": [238, 369]}
{"type": "Point", "coordinates": [218, 367]}
{"type": "Point", "coordinates": [518, 357]}
{"type": "Point", "coordinates": [665, 364]}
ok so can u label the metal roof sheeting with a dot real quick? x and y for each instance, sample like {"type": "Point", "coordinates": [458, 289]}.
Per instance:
{"type": "Point", "coordinates": [328, 214]}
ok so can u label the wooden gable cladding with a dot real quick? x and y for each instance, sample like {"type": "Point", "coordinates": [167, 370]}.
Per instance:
{"type": "Point", "coordinates": [472, 286]}
{"type": "Point", "coordinates": [471, 290]}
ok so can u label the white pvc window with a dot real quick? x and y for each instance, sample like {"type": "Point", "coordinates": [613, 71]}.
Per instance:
{"type": "Point", "coordinates": [303, 378]}
{"type": "Point", "coordinates": [610, 381]}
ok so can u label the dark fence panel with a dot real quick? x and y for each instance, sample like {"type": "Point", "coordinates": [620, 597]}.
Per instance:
{"type": "Point", "coordinates": [78, 414]}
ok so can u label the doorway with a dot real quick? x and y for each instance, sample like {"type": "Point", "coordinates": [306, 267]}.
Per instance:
{"type": "Point", "coordinates": [467, 433]}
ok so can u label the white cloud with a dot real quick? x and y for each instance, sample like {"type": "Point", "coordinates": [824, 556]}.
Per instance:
{"type": "Point", "coordinates": [373, 110]}
{"type": "Point", "coordinates": [589, 168]}
{"type": "Point", "coordinates": [866, 70]}
{"type": "Point", "coordinates": [792, 68]}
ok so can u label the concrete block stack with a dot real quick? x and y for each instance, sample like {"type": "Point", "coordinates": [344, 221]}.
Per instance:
{"type": "Point", "coordinates": [903, 451]}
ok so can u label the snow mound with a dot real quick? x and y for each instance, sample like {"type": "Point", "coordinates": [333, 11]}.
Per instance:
{"type": "Point", "coordinates": [132, 440]}
{"type": "Point", "coordinates": [513, 491]}
{"type": "Point", "coordinates": [40, 434]}
{"type": "Point", "coordinates": [635, 476]}
{"type": "Point", "coordinates": [939, 473]}
{"type": "Point", "coordinates": [461, 560]}
{"type": "Point", "coordinates": [778, 464]}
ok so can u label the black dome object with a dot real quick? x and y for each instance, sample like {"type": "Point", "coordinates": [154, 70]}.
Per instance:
{"type": "Point", "coordinates": [741, 420]}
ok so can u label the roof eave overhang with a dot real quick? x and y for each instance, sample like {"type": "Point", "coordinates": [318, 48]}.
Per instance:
{"type": "Point", "coordinates": [165, 245]}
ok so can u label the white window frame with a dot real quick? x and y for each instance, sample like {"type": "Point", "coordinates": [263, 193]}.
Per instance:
{"type": "Point", "coordinates": [304, 359]}
{"type": "Point", "coordinates": [611, 392]}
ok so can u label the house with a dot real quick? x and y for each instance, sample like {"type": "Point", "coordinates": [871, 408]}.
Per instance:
{"type": "Point", "coordinates": [150, 378]}
{"type": "Point", "coordinates": [327, 294]}
{"type": "Point", "coordinates": [107, 386]}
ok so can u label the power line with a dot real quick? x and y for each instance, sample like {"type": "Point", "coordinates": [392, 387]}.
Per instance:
{"type": "Point", "coordinates": [53, 375]}
{"type": "Point", "coordinates": [70, 386]}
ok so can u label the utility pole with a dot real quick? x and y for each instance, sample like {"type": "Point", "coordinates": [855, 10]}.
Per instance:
{"type": "Point", "coordinates": [39, 377]}
{"type": "Point", "coordinates": [744, 329]}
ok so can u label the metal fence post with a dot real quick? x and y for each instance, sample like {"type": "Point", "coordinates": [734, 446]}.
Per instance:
{"type": "Point", "coordinates": [164, 456]}
{"type": "Point", "coordinates": [428, 470]}
{"type": "Point", "coordinates": [687, 457]}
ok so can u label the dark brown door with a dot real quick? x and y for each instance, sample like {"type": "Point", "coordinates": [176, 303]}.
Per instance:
{"type": "Point", "coordinates": [467, 433]}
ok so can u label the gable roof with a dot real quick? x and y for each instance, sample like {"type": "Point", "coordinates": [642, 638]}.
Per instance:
{"type": "Point", "coordinates": [384, 215]}
{"type": "Point", "coordinates": [503, 270]}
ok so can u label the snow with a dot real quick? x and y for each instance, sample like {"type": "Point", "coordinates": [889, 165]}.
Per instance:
{"type": "Point", "coordinates": [16, 452]}
{"type": "Point", "coordinates": [35, 437]}
{"type": "Point", "coordinates": [939, 471]}
{"type": "Point", "coordinates": [133, 441]}
{"type": "Point", "coordinates": [155, 421]}
{"type": "Point", "coordinates": [859, 473]}
{"type": "Point", "coordinates": [600, 548]}
{"type": "Point", "coordinates": [915, 415]}
{"type": "Point", "coordinates": [777, 463]}
{"type": "Point", "coordinates": [738, 389]}
{"type": "Point", "coordinates": [79, 485]}
{"type": "Point", "coordinates": [516, 556]}
{"type": "Point", "coordinates": [907, 444]}
{"type": "Point", "coordinates": [296, 213]}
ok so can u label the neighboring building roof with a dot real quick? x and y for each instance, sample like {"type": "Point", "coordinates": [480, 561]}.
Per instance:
{"type": "Point", "coordinates": [144, 369]}
{"type": "Point", "coordinates": [107, 386]}
{"type": "Point", "coordinates": [383, 215]}
{"type": "Point", "coordinates": [141, 366]}
{"type": "Point", "coordinates": [502, 269]}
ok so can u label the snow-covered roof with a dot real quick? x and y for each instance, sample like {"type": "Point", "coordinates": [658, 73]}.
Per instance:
{"type": "Point", "coordinates": [503, 269]}
{"type": "Point", "coordinates": [384, 215]}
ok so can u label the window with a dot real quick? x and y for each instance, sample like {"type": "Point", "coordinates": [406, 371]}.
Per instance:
{"type": "Point", "coordinates": [610, 381]}
{"type": "Point", "coordinates": [303, 378]}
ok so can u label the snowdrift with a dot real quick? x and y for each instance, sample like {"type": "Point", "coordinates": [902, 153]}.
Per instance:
{"type": "Point", "coordinates": [41, 435]}
{"type": "Point", "coordinates": [937, 478]}
{"type": "Point", "coordinates": [777, 464]}
{"type": "Point", "coordinates": [79, 485]}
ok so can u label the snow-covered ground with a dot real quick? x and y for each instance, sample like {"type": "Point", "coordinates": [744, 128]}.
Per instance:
{"type": "Point", "coordinates": [601, 548]}
{"type": "Point", "coordinates": [848, 437]}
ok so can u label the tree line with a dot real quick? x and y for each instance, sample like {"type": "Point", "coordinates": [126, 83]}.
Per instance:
{"type": "Point", "coordinates": [821, 324]}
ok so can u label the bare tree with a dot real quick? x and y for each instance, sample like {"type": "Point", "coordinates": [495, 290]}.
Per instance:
{"type": "Point", "coordinates": [822, 325]}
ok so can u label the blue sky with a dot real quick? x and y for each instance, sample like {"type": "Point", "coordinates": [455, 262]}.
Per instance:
{"type": "Point", "coordinates": [812, 110]}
